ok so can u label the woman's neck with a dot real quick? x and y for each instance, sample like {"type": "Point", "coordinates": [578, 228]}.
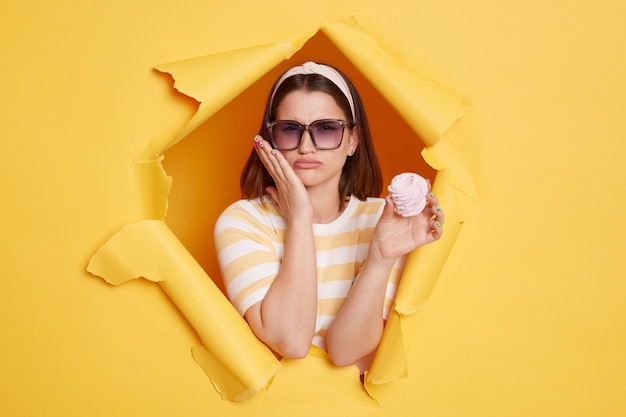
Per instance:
{"type": "Point", "coordinates": [326, 208]}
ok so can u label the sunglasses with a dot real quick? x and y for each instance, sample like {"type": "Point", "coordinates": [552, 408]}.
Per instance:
{"type": "Point", "coordinates": [326, 134]}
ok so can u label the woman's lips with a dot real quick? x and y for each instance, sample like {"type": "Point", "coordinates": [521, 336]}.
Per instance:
{"type": "Point", "coordinates": [306, 164]}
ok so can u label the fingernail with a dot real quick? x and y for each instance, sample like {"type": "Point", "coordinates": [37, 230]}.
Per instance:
{"type": "Point", "coordinates": [256, 138]}
{"type": "Point", "coordinates": [438, 208]}
{"type": "Point", "coordinates": [273, 152]}
{"type": "Point", "coordinates": [261, 144]}
{"type": "Point", "coordinates": [432, 195]}
{"type": "Point", "coordinates": [438, 224]}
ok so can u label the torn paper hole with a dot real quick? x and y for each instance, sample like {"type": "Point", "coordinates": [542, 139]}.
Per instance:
{"type": "Point", "coordinates": [151, 250]}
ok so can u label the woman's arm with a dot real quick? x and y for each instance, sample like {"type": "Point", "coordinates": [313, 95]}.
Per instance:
{"type": "Point", "coordinates": [356, 331]}
{"type": "Point", "coordinates": [285, 319]}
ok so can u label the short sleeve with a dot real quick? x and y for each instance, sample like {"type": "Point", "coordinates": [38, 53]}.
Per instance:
{"type": "Point", "coordinates": [248, 241]}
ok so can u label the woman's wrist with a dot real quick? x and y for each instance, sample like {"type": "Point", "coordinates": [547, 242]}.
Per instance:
{"type": "Point", "coordinates": [376, 257]}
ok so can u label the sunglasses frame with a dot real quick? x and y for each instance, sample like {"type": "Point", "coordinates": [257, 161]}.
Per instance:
{"type": "Point", "coordinates": [304, 128]}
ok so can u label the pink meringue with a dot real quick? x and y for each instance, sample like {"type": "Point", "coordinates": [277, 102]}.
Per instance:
{"type": "Point", "coordinates": [408, 192]}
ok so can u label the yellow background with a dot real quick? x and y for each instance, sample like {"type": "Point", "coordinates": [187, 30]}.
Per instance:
{"type": "Point", "coordinates": [528, 316]}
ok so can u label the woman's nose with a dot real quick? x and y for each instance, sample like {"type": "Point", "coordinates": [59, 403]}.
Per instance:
{"type": "Point", "coordinates": [306, 144]}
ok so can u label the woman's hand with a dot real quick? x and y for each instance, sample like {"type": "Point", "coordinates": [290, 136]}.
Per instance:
{"type": "Point", "coordinates": [395, 235]}
{"type": "Point", "coordinates": [289, 193]}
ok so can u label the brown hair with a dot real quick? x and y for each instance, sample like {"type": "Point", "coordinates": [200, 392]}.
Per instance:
{"type": "Point", "coordinates": [361, 175]}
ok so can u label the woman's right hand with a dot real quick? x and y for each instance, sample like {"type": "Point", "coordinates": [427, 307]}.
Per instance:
{"type": "Point", "coordinates": [396, 235]}
{"type": "Point", "coordinates": [289, 193]}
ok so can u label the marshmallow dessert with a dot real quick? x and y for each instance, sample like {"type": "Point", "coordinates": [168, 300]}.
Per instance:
{"type": "Point", "coordinates": [408, 192]}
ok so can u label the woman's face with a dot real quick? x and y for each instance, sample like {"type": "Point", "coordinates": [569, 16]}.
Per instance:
{"type": "Point", "coordinates": [317, 169]}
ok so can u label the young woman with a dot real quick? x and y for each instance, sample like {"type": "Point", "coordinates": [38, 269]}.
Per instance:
{"type": "Point", "coordinates": [312, 255]}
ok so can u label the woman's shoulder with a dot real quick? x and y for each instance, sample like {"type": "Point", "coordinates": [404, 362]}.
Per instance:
{"type": "Point", "coordinates": [254, 205]}
{"type": "Point", "coordinates": [253, 210]}
{"type": "Point", "coordinates": [370, 205]}
{"type": "Point", "coordinates": [242, 205]}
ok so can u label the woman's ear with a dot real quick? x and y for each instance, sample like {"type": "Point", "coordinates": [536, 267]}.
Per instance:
{"type": "Point", "coordinates": [354, 140]}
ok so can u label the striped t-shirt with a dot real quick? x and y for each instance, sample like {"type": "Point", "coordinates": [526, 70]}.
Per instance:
{"type": "Point", "coordinates": [249, 239]}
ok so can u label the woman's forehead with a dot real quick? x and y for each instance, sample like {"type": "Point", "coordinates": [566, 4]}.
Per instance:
{"type": "Point", "coordinates": [308, 105]}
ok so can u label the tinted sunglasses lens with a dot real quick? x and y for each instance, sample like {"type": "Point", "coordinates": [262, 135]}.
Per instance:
{"type": "Point", "coordinates": [286, 135]}
{"type": "Point", "coordinates": [327, 133]}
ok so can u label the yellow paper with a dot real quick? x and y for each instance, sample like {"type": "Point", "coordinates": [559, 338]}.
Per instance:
{"type": "Point", "coordinates": [428, 107]}
{"type": "Point", "coordinates": [214, 80]}
{"type": "Point", "coordinates": [238, 364]}
{"type": "Point", "coordinates": [527, 315]}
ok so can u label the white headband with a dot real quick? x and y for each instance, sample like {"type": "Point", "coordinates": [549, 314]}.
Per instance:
{"type": "Point", "coordinates": [323, 70]}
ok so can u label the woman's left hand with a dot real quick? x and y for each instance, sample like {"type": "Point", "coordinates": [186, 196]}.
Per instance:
{"type": "Point", "coordinates": [395, 235]}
